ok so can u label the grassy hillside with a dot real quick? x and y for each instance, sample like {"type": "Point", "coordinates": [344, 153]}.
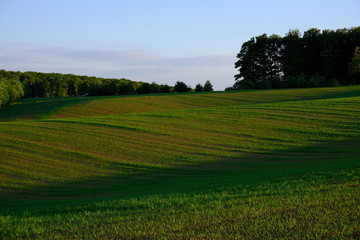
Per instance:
{"type": "Point", "coordinates": [72, 107]}
{"type": "Point", "coordinates": [236, 165]}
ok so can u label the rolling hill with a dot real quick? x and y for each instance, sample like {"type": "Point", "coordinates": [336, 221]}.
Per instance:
{"type": "Point", "coordinates": [222, 165]}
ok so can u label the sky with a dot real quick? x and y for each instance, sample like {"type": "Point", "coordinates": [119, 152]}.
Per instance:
{"type": "Point", "coordinates": [160, 41]}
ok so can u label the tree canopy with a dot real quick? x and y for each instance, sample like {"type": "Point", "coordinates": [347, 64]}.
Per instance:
{"type": "Point", "coordinates": [208, 87]}
{"type": "Point", "coordinates": [199, 88]}
{"type": "Point", "coordinates": [10, 90]}
{"type": "Point", "coordinates": [14, 85]}
{"type": "Point", "coordinates": [313, 59]}
{"type": "Point", "coordinates": [181, 87]}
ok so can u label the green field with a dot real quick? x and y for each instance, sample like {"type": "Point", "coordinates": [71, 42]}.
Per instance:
{"type": "Point", "coordinates": [266, 164]}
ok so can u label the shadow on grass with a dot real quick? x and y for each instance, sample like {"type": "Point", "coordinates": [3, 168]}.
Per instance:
{"type": "Point", "coordinates": [39, 108]}
{"type": "Point", "coordinates": [249, 169]}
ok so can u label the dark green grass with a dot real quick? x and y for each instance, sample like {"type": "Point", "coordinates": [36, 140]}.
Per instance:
{"type": "Point", "coordinates": [38, 108]}
{"type": "Point", "coordinates": [306, 203]}
{"type": "Point", "coordinates": [283, 169]}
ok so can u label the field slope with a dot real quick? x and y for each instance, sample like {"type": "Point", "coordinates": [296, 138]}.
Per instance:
{"type": "Point", "coordinates": [225, 165]}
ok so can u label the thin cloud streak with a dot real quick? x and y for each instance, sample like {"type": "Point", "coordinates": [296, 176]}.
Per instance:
{"type": "Point", "coordinates": [138, 65]}
{"type": "Point", "coordinates": [134, 57]}
{"type": "Point", "coordinates": [127, 56]}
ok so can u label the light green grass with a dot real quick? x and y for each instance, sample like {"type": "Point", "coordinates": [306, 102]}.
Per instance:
{"type": "Point", "coordinates": [43, 108]}
{"type": "Point", "coordinates": [282, 164]}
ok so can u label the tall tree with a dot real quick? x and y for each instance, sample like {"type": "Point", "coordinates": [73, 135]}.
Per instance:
{"type": "Point", "coordinates": [208, 87]}
{"type": "Point", "coordinates": [292, 53]}
{"type": "Point", "coordinates": [245, 63]}
{"type": "Point", "coordinates": [311, 53]}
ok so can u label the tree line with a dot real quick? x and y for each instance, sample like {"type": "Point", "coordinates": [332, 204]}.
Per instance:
{"type": "Point", "coordinates": [15, 85]}
{"type": "Point", "coordinates": [313, 59]}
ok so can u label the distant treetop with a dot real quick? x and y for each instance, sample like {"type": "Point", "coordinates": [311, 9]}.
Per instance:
{"type": "Point", "coordinates": [208, 86]}
{"type": "Point", "coordinates": [181, 87]}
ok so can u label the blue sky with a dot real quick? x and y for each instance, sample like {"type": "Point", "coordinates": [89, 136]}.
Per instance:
{"type": "Point", "coordinates": [159, 40]}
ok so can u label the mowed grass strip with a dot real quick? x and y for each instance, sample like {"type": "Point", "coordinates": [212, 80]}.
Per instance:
{"type": "Point", "coordinates": [274, 170]}
{"type": "Point", "coordinates": [66, 150]}
{"type": "Point", "coordinates": [73, 107]}
{"type": "Point", "coordinates": [161, 102]}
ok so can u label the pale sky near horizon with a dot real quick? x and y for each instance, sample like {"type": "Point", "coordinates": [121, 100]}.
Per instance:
{"type": "Point", "coordinates": [152, 40]}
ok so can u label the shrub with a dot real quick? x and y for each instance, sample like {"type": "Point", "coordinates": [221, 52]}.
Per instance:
{"type": "Point", "coordinates": [199, 88]}
{"type": "Point", "coordinates": [181, 87]}
{"type": "Point", "coordinates": [208, 87]}
{"type": "Point", "coordinates": [244, 84]}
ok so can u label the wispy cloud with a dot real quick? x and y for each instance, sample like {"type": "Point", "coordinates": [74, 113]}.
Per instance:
{"type": "Point", "coordinates": [201, 61]}
{"type": "Point", "coordinates": [139, 65]}
{"type": "Point", "coordinates": [121, 57]}
{"type": "Point", "coordinates": [135, 57]}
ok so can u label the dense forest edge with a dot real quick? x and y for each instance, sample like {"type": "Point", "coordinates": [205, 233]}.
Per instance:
{"type": "Point", "coordinates": [15, 85]}
{"type": "Point", "coordinates": [313, 59]}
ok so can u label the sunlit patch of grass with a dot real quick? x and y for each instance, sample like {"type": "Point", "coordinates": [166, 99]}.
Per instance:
{"type": "Point", "coordinates": [72, 107]}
